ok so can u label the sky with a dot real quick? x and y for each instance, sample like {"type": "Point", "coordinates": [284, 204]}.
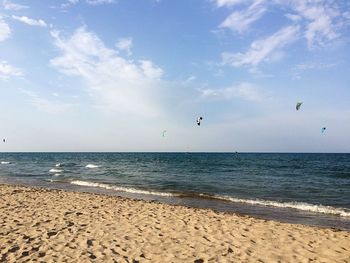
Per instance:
{"type": "Point", "coordinates": [113, 75]}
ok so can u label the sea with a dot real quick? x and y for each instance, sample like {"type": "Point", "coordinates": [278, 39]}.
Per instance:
{"type": "Point", "coordinates": [304, 188]}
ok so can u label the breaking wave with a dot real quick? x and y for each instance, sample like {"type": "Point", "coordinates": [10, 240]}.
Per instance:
{"type": "Point", "coordinates": [92, 166]}
{"type": "Point", "coordinates": [120, 188]}
{"type": "Point", "coordinates": [294, 205]}
{"type": "Point", "coordinates": [53, 170]}
{"type": "Point", "coordinates": [301, 206]}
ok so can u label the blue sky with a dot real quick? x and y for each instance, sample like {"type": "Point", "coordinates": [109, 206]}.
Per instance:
{"type": "Point", "coordinates": [105, 75]}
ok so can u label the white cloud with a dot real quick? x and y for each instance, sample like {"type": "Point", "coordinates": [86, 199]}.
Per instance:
{"type": "Point", "coordinates": [241, 21]}
{"type": "Point", "coordinates": [12, 6]}
{"type": "Point", "coordinates": [5, 30]}
{"type": "Point", "coordinates": [6, 70]}
{"type": "Point", "coordinates": [293, 17]}
{"type": "Point", "coordinates": [99, 2]}
{"type": "Point", "coordinates": [90, 2]}
{"type": "Point", "coordinates": [302, 67]}
{"type": "Point", "coordinates": [257, 73]}
{"type": "Point", "coordinates": [69, 3]}
{"type": "Point", "coordinates": [30, 21]}
{"type": "Point", "coordinates": [244, 90]}
{"type": "Point", "coordinates": [189, 80]}
{"type": "Point", "coordinates": [115, 83]}
{"type": "Point", "coordinates": [318, 21]}
{"type": "Point", "coordinates": [261, 50]}
{"type": "Point", "coordinates": [314, 65]}
{"type": "Point", "coordinates": [45, 105]}
{"type": "Point", "coordinates": [50, 106]}
{"type": "Point", "coordinates": [125, 44]}
{"type": "Point", "coordinates": [149, 70]}
{"type": "Point", "coordinates": [320, 16]}
{"type": "Point", "coordinates": [322, 20]}
{"type": "Point", "coordinates": [227, 3]}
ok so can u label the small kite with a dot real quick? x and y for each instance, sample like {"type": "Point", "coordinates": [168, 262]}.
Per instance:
{"type": "Point", "coordinates": [297, 107]}
{"type": "Point", "coordinates": [163, 133]}
{"type": "Point", "coordinates": [3, 140]}
{"type": "Point", "coordinates": [323, 129]}
{"type": "Point", "coordinates": [199, 121]}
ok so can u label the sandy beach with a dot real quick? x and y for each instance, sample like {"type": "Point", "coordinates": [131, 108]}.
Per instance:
{"type": "Point", "coordinates": [58, 226]}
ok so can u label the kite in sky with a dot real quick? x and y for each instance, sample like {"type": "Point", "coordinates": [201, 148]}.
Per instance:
{"type": "Point", "coordinates": [297, 107]}
{"type": "Point", "coordinates": [163, 133]}
{"type": "Point", "coordinates": [199, 121]}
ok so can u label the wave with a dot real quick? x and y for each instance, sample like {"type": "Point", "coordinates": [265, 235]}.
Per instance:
{"type": "Point", "coordinates": [49, 180]}
{"type": "Point", "coordinates": [301, 206]}
{"type": "Point", "coordinates": [92, 166]}
{"type": "Point", "coordinates": [5, 162]}
{"type": "Point", "coordinates": [53, 170]}
{"type": "Point", "coordinates": [55, 180]}
{"type": "Point", "coordinates": [294, 205]}
{"type": "Point", "coordinates": [120, 188]}
{"type": "Point", "coordinates": [68, 164]}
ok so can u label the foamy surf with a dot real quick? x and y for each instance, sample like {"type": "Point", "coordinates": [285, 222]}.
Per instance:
{"type": "Point", "coordinates": [91, 166]}
{"type": "Point", "coordinates": [5, 162]}
{"type": "Point", "coordinates": [120, 188]}
{"type": "Point", "coordinates": [53, 170]}
{"type": "Point", "coordinates": [49, 180]}
{"type": "Point", "coordinates": [294, 205]}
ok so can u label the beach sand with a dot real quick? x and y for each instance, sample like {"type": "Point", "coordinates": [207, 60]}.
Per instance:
{"type": "Point", "coordinates": [58, 226]}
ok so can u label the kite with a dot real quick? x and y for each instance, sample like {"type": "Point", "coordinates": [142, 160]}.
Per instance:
{"type": "Point", "coordinates": [163, 133]}
{"type": "Point", "coordinates": [323, 129]}
{"type": "Point", "coordinates": [199, 121]}
{"type": "Point", "coordinates": [297, 107]}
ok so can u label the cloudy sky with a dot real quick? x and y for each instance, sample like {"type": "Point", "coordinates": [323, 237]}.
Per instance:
{"type": "Point", "coordinates": [112, 75]}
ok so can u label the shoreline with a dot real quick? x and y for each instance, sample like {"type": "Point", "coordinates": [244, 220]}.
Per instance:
{"type": "Point", "coordinates": [268, 186]}
{"type": "Point", "coordinates": [57, 225]}
{"type": "Point", "coordinates": [265, 212]}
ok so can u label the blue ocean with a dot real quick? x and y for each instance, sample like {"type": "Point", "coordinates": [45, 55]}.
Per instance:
{"type": "Point", "coordinates": [305, 188]}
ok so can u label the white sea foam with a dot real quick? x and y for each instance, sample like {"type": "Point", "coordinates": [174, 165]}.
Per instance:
{"type": "Point", "coordinates": [91, 166]}
{"type": "Point", "coordinates": [5, 162]}
{"type": "Point", "coordinates": [120, 188]}
{"type": "Point", "coordinates": [294, 205]}
{"type": "Point", "coordinates": [53, 170]}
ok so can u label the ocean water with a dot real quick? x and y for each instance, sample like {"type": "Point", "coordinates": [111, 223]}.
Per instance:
{"type": "Point", "coordinates": [299, 188]}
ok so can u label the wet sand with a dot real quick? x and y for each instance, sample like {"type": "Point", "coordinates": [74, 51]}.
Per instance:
{"type": "Point", "coordinates": [58, 226]}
